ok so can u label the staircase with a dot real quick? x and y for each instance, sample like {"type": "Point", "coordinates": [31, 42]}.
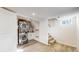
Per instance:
{"type": "Point", "coordinates": [51, 40]}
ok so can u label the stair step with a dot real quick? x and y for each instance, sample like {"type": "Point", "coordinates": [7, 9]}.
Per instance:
{"type": "Point", "coordinates": [51, 42]}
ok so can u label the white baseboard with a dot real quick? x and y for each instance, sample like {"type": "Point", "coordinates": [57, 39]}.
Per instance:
{"type": "Point", "coordinates": [66, 44]}
{"type": "Point", "coordinates": [46, 43]}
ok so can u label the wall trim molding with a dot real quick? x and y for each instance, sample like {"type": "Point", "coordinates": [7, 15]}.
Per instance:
{"type": "Point", "coordinates": [66, 44]}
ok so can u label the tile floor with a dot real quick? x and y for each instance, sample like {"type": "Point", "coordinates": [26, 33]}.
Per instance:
{"type": "Point", "coordinates": [35, 46]}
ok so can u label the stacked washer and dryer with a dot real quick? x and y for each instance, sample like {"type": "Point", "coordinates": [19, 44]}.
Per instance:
{"type": "Point", "coordinates": [24, 28]}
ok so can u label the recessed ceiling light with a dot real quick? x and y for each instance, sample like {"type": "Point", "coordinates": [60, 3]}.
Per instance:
{"type": "Point", "coordinates": [33, 14]}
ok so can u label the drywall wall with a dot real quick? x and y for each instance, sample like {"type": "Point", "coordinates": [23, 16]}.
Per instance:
{"type": "Point", "coordinates": [64, 30]}
{"type": "Point", "coordinates": [34, 35]}
{"type": "Point", "coordinates": [43, 31]}
{"type": "Point", "coordinates": [77, 31]}
{"type": "Point", "coordinates": [8, 31]}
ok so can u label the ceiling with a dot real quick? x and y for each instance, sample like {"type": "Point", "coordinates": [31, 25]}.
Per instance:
{"type": "Point", "coordinates": [44, 11]}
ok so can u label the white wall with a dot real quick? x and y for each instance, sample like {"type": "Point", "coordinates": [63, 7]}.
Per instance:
{"type": "Point", "coordinates": [43, 31]}
{"type": "Point", "coordinates": [77, 31]}
{"type": "Point", "coordinates": [8, 31]}
{"type": "Point", "coordinates": [65, 33]}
